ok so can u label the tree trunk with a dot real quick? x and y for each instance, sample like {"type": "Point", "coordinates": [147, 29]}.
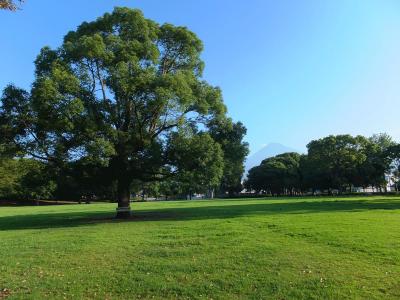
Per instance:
{"type": "Point", "coordinates": [123, 194]}
{"type": "Point", "coordinates": [211, 193]}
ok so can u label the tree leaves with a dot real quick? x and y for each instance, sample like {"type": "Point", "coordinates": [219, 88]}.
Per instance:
{"type": "Point", "coordinates": [10, 4]}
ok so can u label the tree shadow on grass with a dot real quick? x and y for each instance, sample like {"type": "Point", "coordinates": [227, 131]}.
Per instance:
{"type": "Point", "coordinates": [223, 211]}
{"type": "Point", "coordinates": [52, 220]}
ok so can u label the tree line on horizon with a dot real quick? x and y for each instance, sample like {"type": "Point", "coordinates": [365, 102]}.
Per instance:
{"type": "Point", "coordinates": [335, 163]}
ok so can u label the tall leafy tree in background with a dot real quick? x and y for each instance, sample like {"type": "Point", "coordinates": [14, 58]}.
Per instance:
{"type": "Point", "coordinates": [394, 153]}
{"type": "Point", "coordinates": [291, 177]}
{"type": "Point", "coordinates": [336, 159]}
{"type": "Point", "coordinates": [114, 91]}
{"type": "Point", "coordinates": [378, 160]}
{"type": "Point", "coordinates": [277, 175]}
{"type": "Point", "coordinates": [24, 179]}
{"type": "Point", "coordinates": [230, 136]}
{"type": "Point", "coordinates": [198, 162]}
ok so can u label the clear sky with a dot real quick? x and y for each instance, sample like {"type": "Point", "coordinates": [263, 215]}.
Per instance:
{"type": "Point", "coordinates": [291, 71]}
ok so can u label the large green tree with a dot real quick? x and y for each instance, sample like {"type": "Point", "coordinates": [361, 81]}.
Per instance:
{"type": "Point", "coordinates": [115, 90]}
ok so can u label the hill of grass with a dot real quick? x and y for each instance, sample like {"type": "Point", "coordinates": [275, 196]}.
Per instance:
{"type": "Point", "coordinates": [305, 248]}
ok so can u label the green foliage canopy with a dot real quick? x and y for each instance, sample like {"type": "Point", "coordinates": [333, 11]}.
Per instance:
{"type": "Point", "coordinates": [230, 136]}
{"type": "Point", "coordinates": [114, 92]}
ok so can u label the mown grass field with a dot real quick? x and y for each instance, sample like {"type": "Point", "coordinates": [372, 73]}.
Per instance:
{"type": "Point", "coordinates": [306, 248]}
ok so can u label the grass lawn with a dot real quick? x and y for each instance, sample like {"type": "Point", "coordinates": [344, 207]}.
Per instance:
{"type": "Point", "coordinates": [305, 248]}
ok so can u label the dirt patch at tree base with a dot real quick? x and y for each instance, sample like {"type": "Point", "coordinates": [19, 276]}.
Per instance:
{"type": "Point", "coordinates": [4, 293]}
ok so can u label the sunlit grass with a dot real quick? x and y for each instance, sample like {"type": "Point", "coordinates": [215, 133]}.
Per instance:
{"type": "Point", "coordinates": [306, 248]}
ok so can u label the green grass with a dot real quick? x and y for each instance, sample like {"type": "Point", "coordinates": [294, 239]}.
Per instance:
{"type": "Point", "coordinates": [305, 248]}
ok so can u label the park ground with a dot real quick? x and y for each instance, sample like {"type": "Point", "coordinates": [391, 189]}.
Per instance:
{"type": "Point", "coordinates": [276, 248]}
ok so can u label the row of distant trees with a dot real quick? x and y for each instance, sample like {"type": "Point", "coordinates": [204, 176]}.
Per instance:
{"type": "Point", "coordinates": [339, 163]}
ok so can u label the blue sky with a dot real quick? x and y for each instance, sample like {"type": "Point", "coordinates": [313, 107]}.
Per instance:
{"type": "Point", "coordinates": [291, 71]}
